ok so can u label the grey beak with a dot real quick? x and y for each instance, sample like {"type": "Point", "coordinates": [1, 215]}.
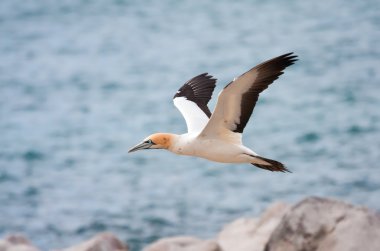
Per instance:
{"type": "Point", "coordinates": [141, 146]}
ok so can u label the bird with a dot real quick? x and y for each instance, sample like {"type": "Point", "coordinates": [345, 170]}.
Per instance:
{"type": "Point", "coordinates": [217, 136]}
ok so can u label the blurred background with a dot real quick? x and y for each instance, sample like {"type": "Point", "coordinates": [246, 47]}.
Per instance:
{"type": "Point", "coordinates": [83, 81]}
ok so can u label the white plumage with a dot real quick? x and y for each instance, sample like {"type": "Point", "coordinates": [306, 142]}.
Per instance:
{"type": "Point", "coordinates": [195, 118]}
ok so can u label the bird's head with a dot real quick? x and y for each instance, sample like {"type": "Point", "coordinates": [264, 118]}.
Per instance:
{"type": "Point", "coordinates": [154, 141]}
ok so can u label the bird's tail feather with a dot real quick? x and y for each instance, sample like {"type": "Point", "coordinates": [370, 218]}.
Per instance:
{"type": "Point", "coordinates": [271, 165]}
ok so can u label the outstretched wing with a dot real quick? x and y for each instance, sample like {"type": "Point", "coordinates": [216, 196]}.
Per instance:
{"type": "Point", "coordinates": [191, 100]}
{"type": "Point", "coordinates": [237, 100]}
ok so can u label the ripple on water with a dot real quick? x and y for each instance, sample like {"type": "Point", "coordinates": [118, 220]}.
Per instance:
{"type": "Point", "coordinates": [309, 137]}
{"type": "Point", "coordinates": [32, 155]}
{"type": "Point", "coordinates": [93, 227]}
{"type": "Point", "coordinates": [7, 177]}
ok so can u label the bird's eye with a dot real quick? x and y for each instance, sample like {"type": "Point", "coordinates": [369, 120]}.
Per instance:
{"type": "Point", "coordinates": [149, 141]}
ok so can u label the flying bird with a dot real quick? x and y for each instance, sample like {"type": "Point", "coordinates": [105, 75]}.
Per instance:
{"type": "Point", "coordinates": [217, 136]}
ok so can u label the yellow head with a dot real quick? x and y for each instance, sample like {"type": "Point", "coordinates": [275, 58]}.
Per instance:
{"type": "Point", "coordinates": [155, 141]}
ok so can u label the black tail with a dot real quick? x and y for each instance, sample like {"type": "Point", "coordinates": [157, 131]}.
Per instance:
{"type": "Point", "coordinates": [272, 165]}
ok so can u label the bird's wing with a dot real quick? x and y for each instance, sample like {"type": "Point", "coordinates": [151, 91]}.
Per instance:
{"type": "Point", "coordinates": [237, 100]}
{"type": "Point", "coordinates": [191, 100]}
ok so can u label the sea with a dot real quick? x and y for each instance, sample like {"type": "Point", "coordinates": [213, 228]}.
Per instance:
{"type": "Point", "coordinates": [82, 81]}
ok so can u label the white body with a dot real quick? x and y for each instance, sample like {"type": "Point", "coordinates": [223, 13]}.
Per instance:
{"type": "Point", "coordinates": [217, 149]}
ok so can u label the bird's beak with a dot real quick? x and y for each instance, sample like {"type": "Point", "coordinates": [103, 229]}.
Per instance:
{"type": "Point", "coordinates": [141, 146]}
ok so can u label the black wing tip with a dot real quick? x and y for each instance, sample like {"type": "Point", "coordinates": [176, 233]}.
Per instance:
{"type": "Point", "coordinates": [205, 80]}
{"type": "Point", "coordinates": [204, 75]}
{"type": "Point", "coordinates": [279, 63]}
{"type": "Point", "coordinates": [290, 57]}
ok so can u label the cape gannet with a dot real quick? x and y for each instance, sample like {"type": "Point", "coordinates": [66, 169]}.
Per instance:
{"type": "Point", "coordinates": [218, 136]}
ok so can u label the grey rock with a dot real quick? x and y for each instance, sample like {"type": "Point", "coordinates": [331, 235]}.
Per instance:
{"type": "Point", "coordinates": [314, 224]}
{"type": "Point", "coordinates": [183, 243]}
{"type": "Point", "coordinates": [16, 242]}
{"type": "Point", "coordinates": [317, 224]}
{"type": "Point", "coordinates": [100, 242]}
{"type": "Point", "coordinates": [251, 234]}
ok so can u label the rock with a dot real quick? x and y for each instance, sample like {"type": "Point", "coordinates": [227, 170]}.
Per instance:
{"type": "Point", "coordinates": [317, 224]}
{"type": "Point", "coordinates": [183, 243]}
{"type": "Point", "coordinates": [100, 242]}
{"type": "Point", "coordinates": [314, 224]}
{"type": "Point", "coordinates": [251, 234]}
{"type": "Point", "coordinates": [16, 242]}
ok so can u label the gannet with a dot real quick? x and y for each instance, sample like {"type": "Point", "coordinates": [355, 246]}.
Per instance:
{"type": "Point", "coordinates": [218, 136]}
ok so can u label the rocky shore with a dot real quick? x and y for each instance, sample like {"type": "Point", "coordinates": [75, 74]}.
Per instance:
{"type": "Point", "coordinates": [314, 224]}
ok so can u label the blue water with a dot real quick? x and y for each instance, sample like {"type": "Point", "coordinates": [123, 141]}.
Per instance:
{"type": "Point", "coordinates": [83, 81]}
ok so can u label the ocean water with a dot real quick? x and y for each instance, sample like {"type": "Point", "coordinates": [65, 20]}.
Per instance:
{"type": "Point", "coordinates": [83, 81]}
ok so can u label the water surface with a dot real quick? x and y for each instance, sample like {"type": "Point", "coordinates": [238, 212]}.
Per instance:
{"type": "Point", "coordinates": [83, 81]}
